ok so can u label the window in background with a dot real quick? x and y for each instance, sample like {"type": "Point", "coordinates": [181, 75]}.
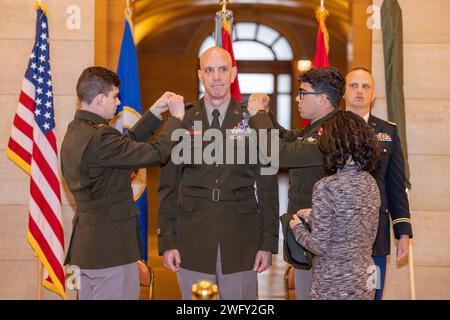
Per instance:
{"type": "Point", "coordinates": [263, 56]}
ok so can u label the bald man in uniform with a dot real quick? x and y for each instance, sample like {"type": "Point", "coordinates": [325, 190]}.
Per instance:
{"type": "Point", "coordinates": [213, 223]}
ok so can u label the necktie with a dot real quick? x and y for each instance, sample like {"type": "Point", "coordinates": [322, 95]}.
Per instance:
{"type": "Point", "coordinates": [215, 123]}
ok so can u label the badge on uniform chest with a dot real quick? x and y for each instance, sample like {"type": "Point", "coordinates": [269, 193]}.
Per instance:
{"type": "Point", "coordinates": [384, 137]}
{"type": "Point", "coordinates": [193, 130]}
{"type": "Point", "coordinates": [242, 129]}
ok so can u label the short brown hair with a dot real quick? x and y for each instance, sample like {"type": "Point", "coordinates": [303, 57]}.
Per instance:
{"type": "Point", "coordinates": [347, 136]}
{"type": "Point", "coordinates": [96, 80]}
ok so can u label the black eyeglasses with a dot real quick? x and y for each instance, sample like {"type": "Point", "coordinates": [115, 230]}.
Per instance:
{"type": "Point", "coordinates": [302, 92]}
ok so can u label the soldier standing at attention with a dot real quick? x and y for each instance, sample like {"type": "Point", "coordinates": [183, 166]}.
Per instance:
{"type": "Point", "coordinates": [390, 173]}
{"type": "Point", "coordinates": [96, 160]}
{"type": "Point", "coordinates": [213, 224]}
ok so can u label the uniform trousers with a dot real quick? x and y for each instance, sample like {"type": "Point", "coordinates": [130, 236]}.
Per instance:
{"type": "Point", "coordinates": [232, 286]}
{"type": "Point", "coordinates": [115, 283]}
{"type": "Point", "coordinates": [380, 262]}
{"type": "Point", "coordinates": [302, 280]}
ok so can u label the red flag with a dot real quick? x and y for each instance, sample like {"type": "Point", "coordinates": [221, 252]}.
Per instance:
{"type": "Point", "coordinates": [224, 27]}
{"type": "Point", "coordinates": [32, 146]}
{"type": "Point", "coordinates": [322, 46]}
{"type": "Point", "coordinates": [322, 41]}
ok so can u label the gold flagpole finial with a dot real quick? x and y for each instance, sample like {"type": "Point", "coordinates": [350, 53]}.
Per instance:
{"type": "Point", "coordinates": [38, 4]}
{"type": "Point", "coordinates": [129, 9]}
{"type": "Point", "coordinates": [224, 4]}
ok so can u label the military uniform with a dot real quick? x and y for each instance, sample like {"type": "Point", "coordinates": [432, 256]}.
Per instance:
{"type": "Point", "coordinates": [299, 151]}
{"type": "Point", "coordinates": [390, 176]}
{"type": "Point", "coordinates": [217, 205]}
{"type": "Point", "coordinates": [96, 160]}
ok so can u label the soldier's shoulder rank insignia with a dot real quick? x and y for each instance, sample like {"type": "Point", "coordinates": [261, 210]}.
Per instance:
{"type": "Point", "coordinates": [98, 125]}
{"type": "Point", "coordinates": [189, 105]}
{"type": "Point", "coordinates": [392, 123]}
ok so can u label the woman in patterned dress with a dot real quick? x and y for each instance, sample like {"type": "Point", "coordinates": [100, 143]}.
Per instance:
{"type": "Point", "coordinates": [344, 215]}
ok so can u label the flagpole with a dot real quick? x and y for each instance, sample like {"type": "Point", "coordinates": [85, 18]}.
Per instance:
{"type": "Point", "coordinates": [129, 10]}
{"type": "Point", "coordinates": [39, 278]}
{"type": "Point", "coordinates": [412, 282]}
{"type": "Point", "coordinates": [321, 4]}
{"type": "Point", "coordinates": [224, 4]}
{"type": "Point", "coordinates": [39, 264]}
{"type": "Point", "coordinates": [412, 278]}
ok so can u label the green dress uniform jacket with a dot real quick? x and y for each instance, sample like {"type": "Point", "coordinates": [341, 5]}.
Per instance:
{"type": "Point", "coordinates": [96, 160]}
{"type": "Point", "coordinates": [203, 206]}
{"type": "Point", "coordinates": [298, 151]}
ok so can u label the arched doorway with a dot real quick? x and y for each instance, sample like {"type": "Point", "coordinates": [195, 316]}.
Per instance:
{"type": "Point", "coordinates": [169, 33]}
{"type": "Point", "coordinates": [263, 57]}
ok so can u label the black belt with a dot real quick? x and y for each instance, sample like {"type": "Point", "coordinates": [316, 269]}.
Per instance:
{"type": "Point", "coordinates": [105, 201]}
{"type": "Point", "coordinates": [217, 194]}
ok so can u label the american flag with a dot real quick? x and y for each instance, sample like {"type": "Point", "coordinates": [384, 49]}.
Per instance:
{"type": "Point", "coordinates": [32, 146]}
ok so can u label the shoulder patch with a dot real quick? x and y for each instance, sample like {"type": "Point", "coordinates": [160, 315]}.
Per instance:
{"type": "Point", "coordinates": [189, 105]}
{"type": "Point", "coordinates": [95, 125]}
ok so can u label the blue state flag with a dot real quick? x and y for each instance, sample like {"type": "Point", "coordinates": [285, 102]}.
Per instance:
{"type": "Point", "coordinates": [128, 113]}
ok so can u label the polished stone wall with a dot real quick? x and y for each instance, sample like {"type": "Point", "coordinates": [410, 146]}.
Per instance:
{"type": "Point", "coordinates": [426, 37]}
{"type": "Point", "coordinates": [71, 50]}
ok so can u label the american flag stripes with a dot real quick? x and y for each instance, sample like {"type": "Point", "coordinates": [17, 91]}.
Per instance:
{"type": "Point", "coordinates": [32, 146]}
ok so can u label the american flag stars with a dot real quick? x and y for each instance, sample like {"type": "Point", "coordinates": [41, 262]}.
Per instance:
{"type": "Point", "coordinates": [40, 76]}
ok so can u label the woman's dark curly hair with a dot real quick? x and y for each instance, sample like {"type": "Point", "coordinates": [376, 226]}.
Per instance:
{"type": "Point", "coordinates": [347, 136]}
